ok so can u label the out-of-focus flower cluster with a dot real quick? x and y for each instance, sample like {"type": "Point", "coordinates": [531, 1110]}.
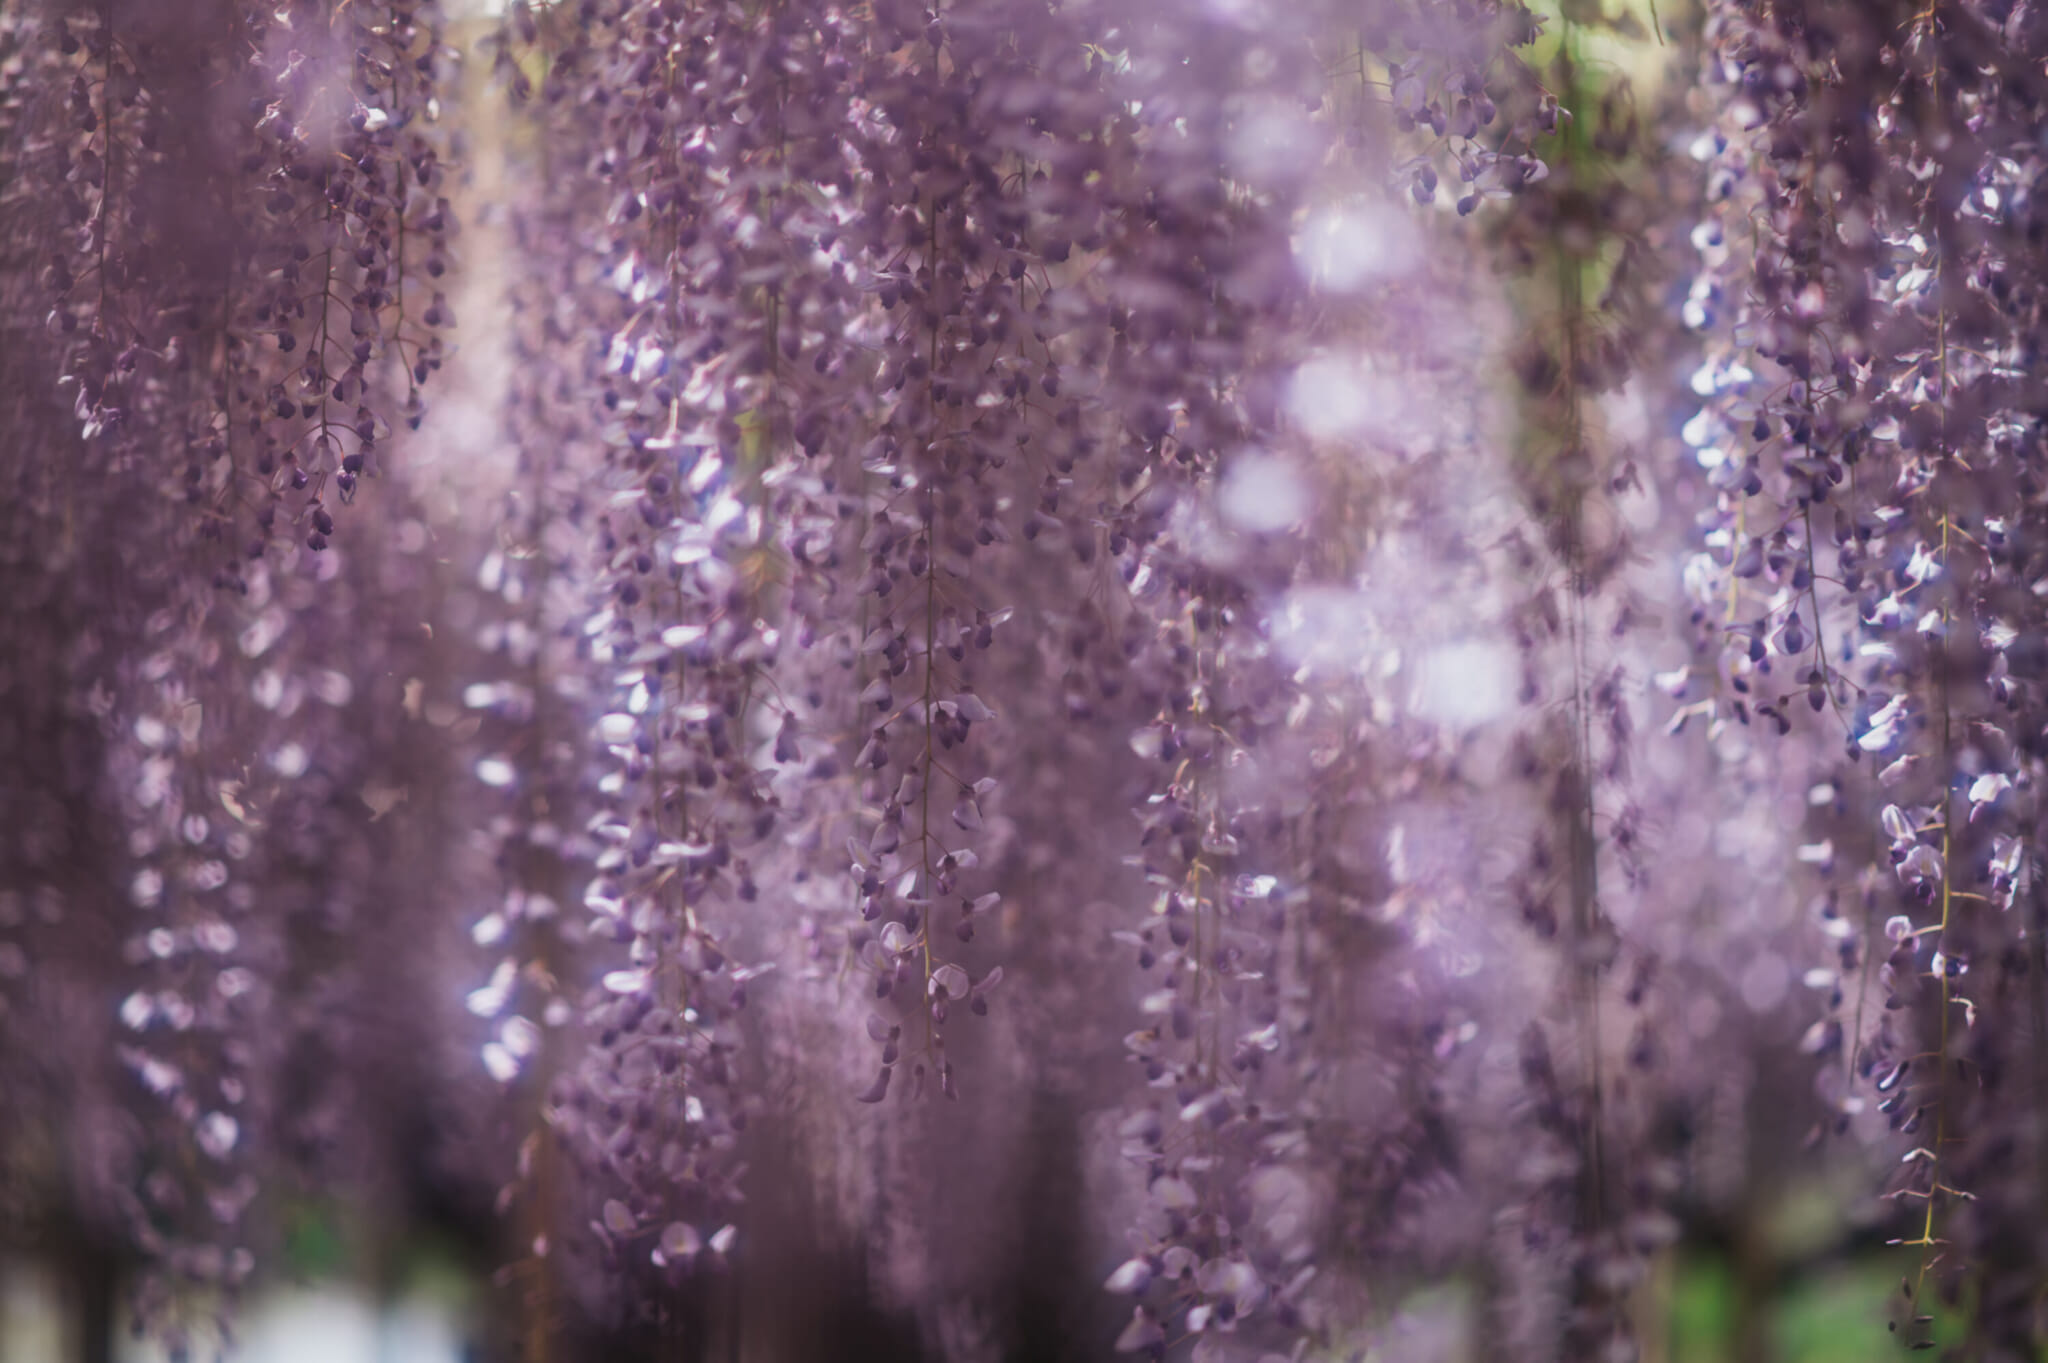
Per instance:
{"type": "Point", "coordinates": [225, 227]}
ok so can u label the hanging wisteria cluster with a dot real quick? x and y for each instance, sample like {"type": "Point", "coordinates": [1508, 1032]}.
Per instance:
{"type": "Point", "coordinates": [1201, 659]}
{"type": "Point", "coordinates": [1872, 434]}
{"type": "Point", "coordinates": [225, 226]}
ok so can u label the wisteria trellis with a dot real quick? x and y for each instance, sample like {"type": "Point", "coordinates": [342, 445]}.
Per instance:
{"type": "Point", "coordinates": [1328, 588]}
